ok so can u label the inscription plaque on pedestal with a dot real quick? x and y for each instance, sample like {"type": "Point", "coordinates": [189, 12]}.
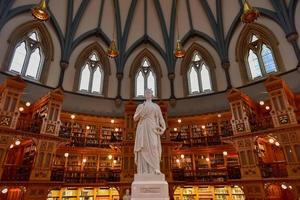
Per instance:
{"type": "Point", "coordinates": [149, 186]}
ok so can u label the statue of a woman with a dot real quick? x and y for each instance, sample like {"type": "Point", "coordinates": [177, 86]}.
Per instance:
{"type": "Point", "coordinates": [151, 125]}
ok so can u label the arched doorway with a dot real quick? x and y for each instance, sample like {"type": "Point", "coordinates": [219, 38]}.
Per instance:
{"type": "Point", "coordinates": [19, 160]}
{"type": "Point", "coordinates": [271, 159]}
{"type": "Point", "coordinates": [279, 192]}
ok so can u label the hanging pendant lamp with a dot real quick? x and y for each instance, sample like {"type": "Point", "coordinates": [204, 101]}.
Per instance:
{"type": "Point", "coordinates": [250, 14]}
{"type": "Point", "coordinates": [179, 51]}
{"type": "Point", "coordinates": [40, 11]}
{"type": "Point", "coordinates": [112, 50]}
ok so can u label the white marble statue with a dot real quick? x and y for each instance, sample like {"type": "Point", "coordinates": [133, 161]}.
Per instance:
{"type": "Point", "coordinates": [127, 195]}
{"type": "Point", "coordinates": [151, 125]}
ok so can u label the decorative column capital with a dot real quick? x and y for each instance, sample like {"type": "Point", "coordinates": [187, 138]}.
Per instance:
{"type": "Point", "coordinates": [292, 37]}
{"type": "Point", "coordinates": [64, 64]}
{"type": "Point", "coordinates": [171, 76]}
{"type": "Point", "coordinates": [225, 64]}
{"type": "Point", "coordinates": [119, 76]}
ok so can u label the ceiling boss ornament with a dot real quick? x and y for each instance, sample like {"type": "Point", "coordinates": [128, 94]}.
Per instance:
{"type": "Point", "coordinates": [250, 14]}
{"type": "Point", "coordinates": [40, 11]}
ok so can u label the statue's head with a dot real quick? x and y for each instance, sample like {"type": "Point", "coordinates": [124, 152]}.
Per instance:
{"type": "Point", "coordinates": [148, 94]}
{"type": "Point", "coordinates": [127, 191]}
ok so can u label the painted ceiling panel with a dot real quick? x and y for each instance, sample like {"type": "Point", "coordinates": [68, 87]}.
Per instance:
{"type": "Point", "coordinates": [297, 17]}
{"type": "Point", "coordinates": [167, 8]}
{"type": "Point", "coordinates": [60, 13]}
{"type": "Point", "coordinates": [183, 19]}
{"type": "Point", "coordinates": [230, 9]}
{"type": "Point", "coordinates": [108, 19]}
{"type": "Point", "coordinates": [212, 5]}
{"type": "Point", "coordinates": [200, 19]}
{"type": "Point", "coordinates": [263, 4]}
{"type": "Point", "coordinates": [137, 27]}
{"type": "Point", "coordinates": [18, 3]}
{"type": "Point", "coordinates": [153, 22]}
{"type": "Point", "coordinates": [287, 1]}
{"type": "Point", "coordinates": [90, 18]}
{"type": "Point", "coordinates": [76, 6]}
{"type": "Point", "coordinates": [124, 8]}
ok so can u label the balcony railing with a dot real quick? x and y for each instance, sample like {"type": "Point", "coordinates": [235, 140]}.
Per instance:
{"type": "Point", "coordinates": [85, 176]}
{"type": "Point", "coordinates": [29, 125]}
{"type": "Point", "coordinates": [206, 175]}
{"type": "Point", "coordinates": [16, 173]}
{"type": "Point", "coordinates": [261, 123]}
{"type": "Point", "coordinates": [273, 170]}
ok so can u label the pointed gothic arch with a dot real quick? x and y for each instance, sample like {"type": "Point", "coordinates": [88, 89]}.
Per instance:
{"type": "Point", "coordinates": [45, 42]}
{"type": "Point", "coordinates": [155, 67]}
{"type": "Point", "coordinates": [103, 62]}
{"type": "Point", "coordinates": [186, 65]}
{"type": "Point", "coordinates": [253, 39]}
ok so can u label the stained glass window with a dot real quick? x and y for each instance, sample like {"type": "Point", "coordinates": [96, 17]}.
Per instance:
{"type": "Point", "coordinates": [27, 59]}
{"type": "Point", "coordinates": [254, 65]}
{"type": "Point", "coordinates": [145, 79]}
{"type": "Point", "coordinates": [260, 58]}
{"type": "Point", "coordinates": [199, 77]}
{"type": "Point", "coordinates": [91, 77]}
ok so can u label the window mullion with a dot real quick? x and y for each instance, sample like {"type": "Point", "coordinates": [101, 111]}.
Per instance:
{"type": "Point", "coordinates": [145, 82]}
{"type": "Point", "coordinates": [199, 79]}
{"type": "Point", "coordinates": [92, 71]}
{"type": "Point", "coordinates": [260, 60]}
{"type": "Point", "coordinates": [26, 60]}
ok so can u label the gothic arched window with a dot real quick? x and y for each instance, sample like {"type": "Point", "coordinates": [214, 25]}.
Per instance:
{"type": "Point", "coordinates": [198, 76]}
{"type": "Point", "coordinates": [145, 78]}
{"type": "Point", "coordinates": [257, 52]}
{"type": "Point", "coordinates": [91, 75]}
{"type": "Point", "coordinates": [28, 58]}
{"type": "Point", "coordinates": [260, 60]}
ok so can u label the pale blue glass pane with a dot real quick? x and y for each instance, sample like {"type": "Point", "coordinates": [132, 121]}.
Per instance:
{"type": "Point", "coordinates": [151, 82]}
{"type": "Point", "coordinates": [33, 36]}
{"type": "Point", "coordinates": [254, 38]}
{"type": "Point", "coordinates": [18, 58]}
{"type": "Point", "coordinates": [94, 57]}
{"type": "Point", "coordinates": [205, 78]}
{"type": "Point", "coordinates": [194, 81]}
{"type": "Point", "coordinates": [268, 59]}
{"type": "Point", "coordinates": [146, 63]}
{"type": "Point", "coordinates": [96, 86]}
{"type": "Point", "coordinates": [85, 78]}
{"type": "Point", "coordinates": [140, 84]}
{"type": "Point", "coordinates": [34, 64]}
{"type": "Point", "coordinates": [196, 57]}
{"type": "Point", "coordinates": [254, 65]}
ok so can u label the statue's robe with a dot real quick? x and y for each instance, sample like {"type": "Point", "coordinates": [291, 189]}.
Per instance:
{"type": "Point", "coordinates": [147, 148]}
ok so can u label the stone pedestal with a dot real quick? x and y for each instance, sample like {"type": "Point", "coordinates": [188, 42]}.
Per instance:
{"type": "Point", "coordinates": [149, 186]}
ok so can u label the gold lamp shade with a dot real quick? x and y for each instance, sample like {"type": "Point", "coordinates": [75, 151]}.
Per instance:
{"type": "Point", "coordinates": [179, 51]}
{"type": "Point", "coordinates": [112, 51]}
{"type": "Point", "coordinates": [40, 11]}
{"type": "Point", "coordinates": [249, 14]}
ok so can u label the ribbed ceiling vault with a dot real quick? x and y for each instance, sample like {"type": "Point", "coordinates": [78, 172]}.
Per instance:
{"type": "Point", "coordinates": [281, 11]}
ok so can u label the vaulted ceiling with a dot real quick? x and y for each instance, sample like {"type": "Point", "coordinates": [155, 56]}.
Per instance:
{"type": "Point", "coordinates": [137, 22]}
